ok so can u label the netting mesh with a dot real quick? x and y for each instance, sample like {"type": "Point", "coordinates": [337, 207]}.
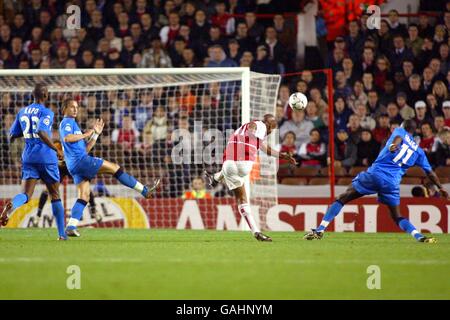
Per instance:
{"type": "Point", "coordinates": [171, 126]}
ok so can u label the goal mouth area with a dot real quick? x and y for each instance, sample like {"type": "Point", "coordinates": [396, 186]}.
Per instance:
{"type": "Point", "coordinates": [242, 96]}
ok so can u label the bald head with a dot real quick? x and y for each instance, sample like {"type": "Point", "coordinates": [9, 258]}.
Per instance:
{"type": "Point", "coordinates": [40, 92]}
{"type": "Point", "coordinates": [270, 122]}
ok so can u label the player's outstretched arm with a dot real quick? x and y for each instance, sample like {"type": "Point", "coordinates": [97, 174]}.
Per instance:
{"type": "Point", "coordinates": [279, 155]}
{"type": "Point", "coordinates": [77, 137]}
{"type": "Point", "coordinates": [98, 128]}
{"type": "Point", "coordinates": [46, 139]}
{"type": "Point", "coordinates": [434, 178]}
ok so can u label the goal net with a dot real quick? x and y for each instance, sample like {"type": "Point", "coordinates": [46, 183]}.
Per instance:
{"type": "Point", "coordinates": [160, 123]}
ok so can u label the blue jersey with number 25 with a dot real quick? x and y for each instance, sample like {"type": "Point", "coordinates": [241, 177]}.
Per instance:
{"type": "Point", "coordinates": [29, 121]}
{"type": "Point", "coordinates": [393, 165]}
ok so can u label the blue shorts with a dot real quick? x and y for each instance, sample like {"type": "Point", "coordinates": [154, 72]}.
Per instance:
{"type": "Point", "coordinates": [368, 183]}
{"type": "Point", "coordinates": [86, 169]}
{"type": "Point", "coordinates": [48, 173]}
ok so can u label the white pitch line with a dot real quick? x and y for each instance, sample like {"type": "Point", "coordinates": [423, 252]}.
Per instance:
{"type": "Point", "coordinates": [5, 260]}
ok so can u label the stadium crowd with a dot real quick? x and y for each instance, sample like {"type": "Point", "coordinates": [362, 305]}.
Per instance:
{"type": "Point", "coordinates": [381, 77]}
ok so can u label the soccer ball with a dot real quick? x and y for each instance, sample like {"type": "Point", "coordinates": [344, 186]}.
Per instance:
{"type": "Point", "coordinates": [298, 101]}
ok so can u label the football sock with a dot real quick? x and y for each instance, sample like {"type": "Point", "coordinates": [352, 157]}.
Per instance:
{"type": "Point", "coordinates": [58, 212]}
{"type": "Point", "coordinates": [407, 226]}
{"type": "Point", "coordinates": [130, 181]}
{"type": "Point", "coordinates": [92, 207]}
{"type": "Point", "coordinates": [77, 213]}
{"type": "Point", "coordinates": [244, 210]}
{"type": "Point", "coordinates": [19, 200]}
{"type": "Point", "coordinates": [42, 200]}
{"type": "Point", "coordinates": [332, 212]}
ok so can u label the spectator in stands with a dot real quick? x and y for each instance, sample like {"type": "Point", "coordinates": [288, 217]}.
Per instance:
{"type": "Point", "coordinates": [313, 153]}
{"type": "Point", "coordinates": [126, 136]}
{"type": "Point", "coordinates": [223, 19]}
{"type": "Point", "coordinates": [368, 60]}
{"type": "Point", "coordinates": [158, 125]}
{"type": "Point", "coordinates": [388, 93]}
{"type": "Point", "coordinates": [427, 137]}
{"type": "Point", "coordinates": [263, 63]}
{"type": "Point", "coordinates": [345, 150]}
{"type": "Point", "coordinates": [354, 128]}
{"type": "Point", "coordinates": [341, 87]}
{"type": "Point", "coordinates": [144, 110]}
{"type": "Point", "coordinates": [234, 51]}
{"type": "Point", "coordinates": [288, 146]}
{"type": "Point", "coordinates": [440, 91]}
{"type": "Point", "coordinates": [439, 124]}
{"type": "Point", "coordinates": [366, 122]}
{"type": "Point", "coordinates": [255, 30]}
{"type": "Point", "coordinates": [393, 112]}
{"type": "Point", "coordinates": [425, 29]}
{"type": "Point", "coordinates": [279, 114]}
{"type": "Point", "coordinates": [446, 112]}
{"type": "Point", "coordinates": [316, 96]}
{"type": "Point", "coordinates": [189, 59]}
{"type": "Point", "coordinates": [312, 114]}
{"type": "Point", "coordinates": [246, 43]}
{"type": "Point", "coordinates": [421, 113]}
{"type": "Point", "coordinates": [323, 129]}
{"type": "Point", "coordinates": [198, 190]}
{"type": "Point", "coordinates": [367, 80]}
{"type": "Point", "coordinates": [400, 53]}
{"type": "Point", "coordinates": [299, 125]}
{"type": "Point", "coordinates": [357, 95]}
{"type": "Point", "coordinates": [414, 41]}
{"type": "Point", "coordinates": [381, 133]}
{"type": "Point", "coordinates": [349, 71]}
{"type": "Point", "coordinates": [341, 114]}
{"type": "Point", "coordinates": [354, 40]}
{"type": "Point", "coordinates": [169, 32]}
{"type": "Point", "coordinates": [441, 155]}
{"type": "Point", "coordinates": [367, 149]}
{"type": "Point", "coordinates": [156, 57]}
{"type": "Point", "coordinates": [219, 58]}
{"type": "Point", "coordinates": [374, 108]}
{"type": "Point", "coordinates": [405, 111]}
{"type": "Point", "coordinates": [276, 50]}
{"type": "Point", "coordinates": [414, 92]}
{"type": "Point", "coordinates": [396, 27]}
{"type": "Point", "coordinates": [286, 35]}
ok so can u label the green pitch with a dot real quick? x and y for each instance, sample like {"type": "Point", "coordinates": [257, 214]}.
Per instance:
{"type": "Point", "coordinates": [162, 264]}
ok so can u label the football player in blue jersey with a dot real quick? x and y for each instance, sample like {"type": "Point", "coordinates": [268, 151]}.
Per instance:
{"type": "Point", "coordinates": [39, 157]}
{"type": "Point", "coordinates": [383, 177]}
{"type": "Point", "coordinates": [84, 167]}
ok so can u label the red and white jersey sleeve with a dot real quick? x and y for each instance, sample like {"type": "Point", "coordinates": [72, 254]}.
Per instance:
{"type": "Point", "coordinates": [243, 145]}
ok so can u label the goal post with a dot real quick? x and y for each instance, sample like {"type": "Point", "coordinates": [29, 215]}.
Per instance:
{"type": "Point", "coordinates": [151, 114]}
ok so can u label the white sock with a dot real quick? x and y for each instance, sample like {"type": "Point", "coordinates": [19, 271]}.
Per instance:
{"type": "Point", "coordinates": [244, 210]}
{"type": "Point", "coordinates": [218, 176]}
{"type": "Point", "coordinates": [139, 187]}
{"type": "Point", "coordinates": [72, 222]}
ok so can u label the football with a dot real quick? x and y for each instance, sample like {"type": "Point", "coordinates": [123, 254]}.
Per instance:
{"type": "Point", "coordinates": [298, 101]}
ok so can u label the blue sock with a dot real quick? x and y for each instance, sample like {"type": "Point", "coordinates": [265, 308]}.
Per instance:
{"type": "Point", "coordinates": [130, 181]}
{"type": "Point", "coordinates": [58, 213]}
{"type": "Point", "coordinates": [332, 212]}
{"type": "Point", "coordinates": [19, 200]}
{"type": "Point", "coordinates": [406, 226]}
{"type": "Point", "coordinates": [77, 213]}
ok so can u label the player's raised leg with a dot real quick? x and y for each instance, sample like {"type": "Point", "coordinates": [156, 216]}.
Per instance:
{"type": "Point", "coordinates": [335, 208]}
{"type": "Point", "coordinates": [127, 179]}
{"type": "Point", "coordinates": [407, 226]}
{"type": "Point", "coordinates": [84, 190]}
{"type": "Point", "coordinates": [20, 199]}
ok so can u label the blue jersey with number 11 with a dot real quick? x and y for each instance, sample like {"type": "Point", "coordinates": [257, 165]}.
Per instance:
{"type": "Point", "coordinates": [29, 121]}
{"type": "Point", "coordinates": [393, 165]}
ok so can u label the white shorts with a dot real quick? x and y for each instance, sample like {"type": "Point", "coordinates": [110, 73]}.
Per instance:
{"type": "Point", "coordinates": [234, 172]}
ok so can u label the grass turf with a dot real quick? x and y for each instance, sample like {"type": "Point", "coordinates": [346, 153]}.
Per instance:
{"type": "Point", "coordinates": [171, 264]}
